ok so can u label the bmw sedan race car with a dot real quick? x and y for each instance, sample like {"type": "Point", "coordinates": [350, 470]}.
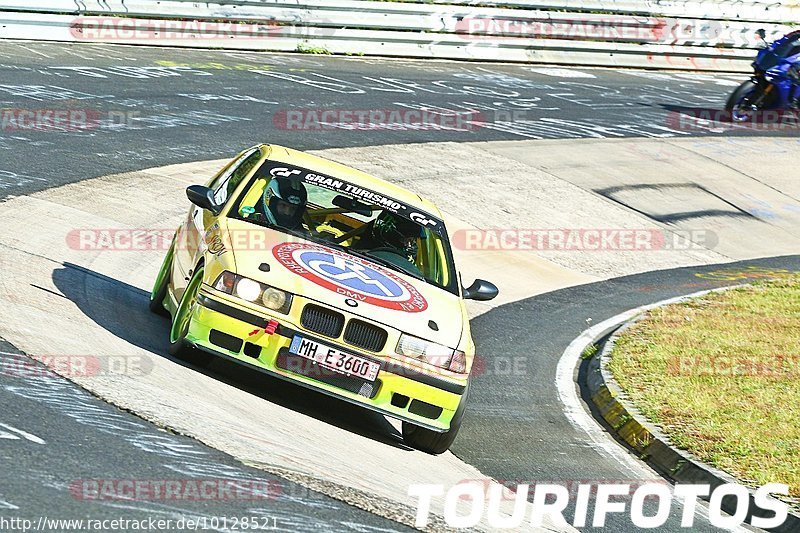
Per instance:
{"type": "Point", "coordinates": [327, 277]}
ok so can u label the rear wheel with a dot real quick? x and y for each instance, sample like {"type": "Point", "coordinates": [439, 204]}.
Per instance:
{"type": "Point", "coordinates": [178, 345]}
{"type": "Point", "coordinates": [433, 442]}
{"type": "Point", "coordinates": [745, 101]}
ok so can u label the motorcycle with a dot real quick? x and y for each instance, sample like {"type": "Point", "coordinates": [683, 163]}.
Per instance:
{"type": "Point", "coordinates": [775, 83]}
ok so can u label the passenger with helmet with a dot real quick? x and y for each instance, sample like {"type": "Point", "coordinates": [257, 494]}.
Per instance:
{"type": "Point", "coordinates": [284, 202]}
{"type": "Point", "coordinates": [395, 239]}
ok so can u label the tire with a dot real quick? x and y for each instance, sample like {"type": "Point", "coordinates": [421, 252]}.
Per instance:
{"type": "Point", "coordinates": [178, 345]}
{"type": "Point", "coordinates": [433, 442]}
{"type": "Point", "coordinates": [745, 94]}
{"type": "Point", "coordinates": [161, 284]}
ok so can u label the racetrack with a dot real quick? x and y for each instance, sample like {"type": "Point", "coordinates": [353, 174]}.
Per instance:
{"type": "Point", "coordinates": [516, 427]}
{"type": "Point", "coordinates": [174, 106]}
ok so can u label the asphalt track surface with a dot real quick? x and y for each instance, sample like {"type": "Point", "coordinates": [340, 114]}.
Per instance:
{"type": "Point", "coordinates": [87, 442]}
{"type": "Point", "coordinates": [160, 106]}
{"type": "Point", "coordinates": [171, 106]}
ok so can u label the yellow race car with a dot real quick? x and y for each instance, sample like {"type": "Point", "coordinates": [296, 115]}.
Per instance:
{"type": "Point", "coordinates": [322, 275]}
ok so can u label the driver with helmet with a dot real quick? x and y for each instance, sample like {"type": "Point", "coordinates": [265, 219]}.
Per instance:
{"type": "Point", "coordinates": [284, 202]}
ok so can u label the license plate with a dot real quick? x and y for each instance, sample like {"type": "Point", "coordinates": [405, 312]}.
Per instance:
{"type": "Point", "coordinates": [344, 363]}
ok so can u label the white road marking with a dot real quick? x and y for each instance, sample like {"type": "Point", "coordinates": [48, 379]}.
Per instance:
{"type": "Point", "coordinates": [24, 434]}
{"type": "Point", "coordinates": [560, 72]}
{"type": "Point", "coordinates": [686, 77]}
{"type": "Point", "coordinates": [7, 505]}
{"type": "Point", "coordinates": [710, 78]}
{"type": "Point", "coordinates": [66, 50]}
{"type": "Point", "coordinates": [582, 420]}
{"type": "Point", "coordinates": [31, 50]}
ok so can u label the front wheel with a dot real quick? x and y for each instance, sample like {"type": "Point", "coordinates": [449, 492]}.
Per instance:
{"type": "Point", "coordinates": [178, 345]}
{"type": "Point", "coordinates": [744, 102]}
{"type": "Point", "coordinates": [433, 442]}
{"type": "Point", "coordinates": [159, 292]}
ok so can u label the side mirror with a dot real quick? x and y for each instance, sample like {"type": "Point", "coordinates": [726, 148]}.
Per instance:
{"type": "Point", "coordinates": [203, 197]}
{"type": "Point", "coordinates": [481, 290]}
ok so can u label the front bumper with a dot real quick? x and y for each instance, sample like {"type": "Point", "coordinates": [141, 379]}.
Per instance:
{"type": "Point", "coordinates": [231, 330]}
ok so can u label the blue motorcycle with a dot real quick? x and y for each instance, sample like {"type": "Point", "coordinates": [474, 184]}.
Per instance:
{"type": "Point", "coordinates": [775, 83]}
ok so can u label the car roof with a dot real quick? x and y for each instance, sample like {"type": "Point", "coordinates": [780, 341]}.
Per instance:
{"type": "Point", "coordinates": [349, 174]}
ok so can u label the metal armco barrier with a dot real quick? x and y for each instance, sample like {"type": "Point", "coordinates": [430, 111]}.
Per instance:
{"type": "Point", "coordinates": [668, 34]}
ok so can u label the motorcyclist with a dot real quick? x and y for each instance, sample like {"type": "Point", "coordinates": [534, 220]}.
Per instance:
{"type": "Point", "coordinates": [284, 202]}
{"type": "Point", "coordinates": [777, 66]}
{"type": "Point", "coordinates": [788, 46]}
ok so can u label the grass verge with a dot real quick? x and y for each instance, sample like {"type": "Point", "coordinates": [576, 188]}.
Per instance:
{"type": "Point", "coordinates": [720, 375]}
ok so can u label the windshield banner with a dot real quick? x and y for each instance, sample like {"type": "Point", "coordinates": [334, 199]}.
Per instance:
{"type": "Point", "coordinates": [426, 220]}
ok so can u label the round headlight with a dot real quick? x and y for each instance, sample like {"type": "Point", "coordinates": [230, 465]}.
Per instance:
{"type": "Point", "coordinates": [247, 289]}
{"type": "Point", "coordinates": [274, 298]}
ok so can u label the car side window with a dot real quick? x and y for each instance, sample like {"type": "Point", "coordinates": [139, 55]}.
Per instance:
{"type": "Point", "coordinates": [226, 185]}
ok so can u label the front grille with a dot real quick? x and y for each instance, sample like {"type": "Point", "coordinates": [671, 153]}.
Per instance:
{"type": "Point", "coordinates": [365, 335]}
{"type": "Point", "coordinates": [323, 321]}
{"type": "Point", "coordinates": [305, 367]}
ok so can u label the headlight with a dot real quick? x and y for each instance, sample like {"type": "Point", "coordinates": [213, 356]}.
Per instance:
{"type": "Point", "coordinates": [247, 289]}
{"type": "Point", "coordinates": [432, 353]}
{"type": "Point", "coordinates": [273, 298]}
{"type": "Point", "coordinates": [253, 291]}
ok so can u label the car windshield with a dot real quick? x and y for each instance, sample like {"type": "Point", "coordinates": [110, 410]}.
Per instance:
{"type": "Point", "coordinates": [346, 217]}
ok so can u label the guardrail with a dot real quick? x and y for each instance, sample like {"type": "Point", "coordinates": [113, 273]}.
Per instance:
{"type": "Point", "coordinates": [690, 34]}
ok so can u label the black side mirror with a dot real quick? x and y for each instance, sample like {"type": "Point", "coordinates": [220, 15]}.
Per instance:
{"type": "Point", "coordinates": [481, 290]}
{"type": "Point", "coordinates": [203, 197]}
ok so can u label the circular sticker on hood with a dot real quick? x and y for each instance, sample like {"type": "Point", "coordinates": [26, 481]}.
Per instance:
{"type": "Point", "coordinates": [350, 276]}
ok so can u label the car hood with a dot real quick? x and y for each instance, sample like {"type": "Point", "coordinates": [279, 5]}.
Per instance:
{"type": "Point", "coordinates": [340, 280]}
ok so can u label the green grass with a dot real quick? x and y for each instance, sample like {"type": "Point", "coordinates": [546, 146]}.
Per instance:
{"type": "Point", "coordinates": [589, 351]}
{"type": "Point", "coordinates": [720, 375]}
{"type": "Point", "coordinates": [305, 48]}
